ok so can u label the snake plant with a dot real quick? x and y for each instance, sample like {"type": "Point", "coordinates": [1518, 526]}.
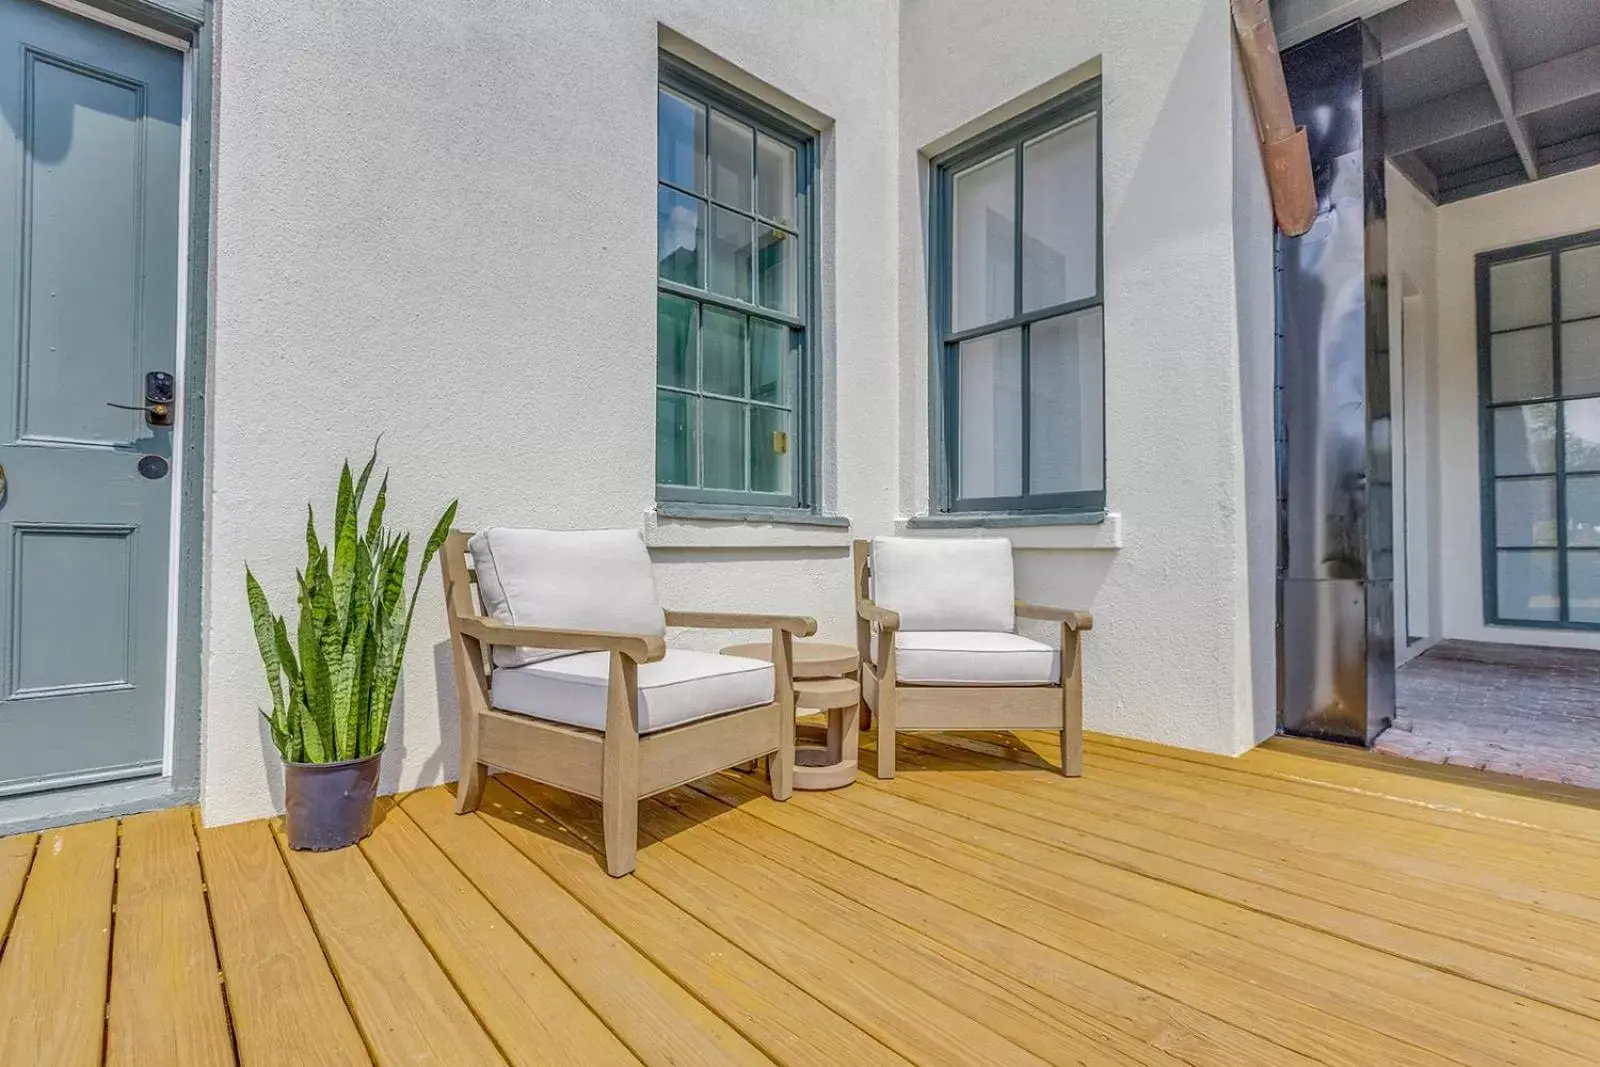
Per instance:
{"type": "Point", "coordinates": [333, 683]}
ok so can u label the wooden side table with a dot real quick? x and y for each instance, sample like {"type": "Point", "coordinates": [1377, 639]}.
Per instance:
{"type": "Point", "coordinates": [823, 682]}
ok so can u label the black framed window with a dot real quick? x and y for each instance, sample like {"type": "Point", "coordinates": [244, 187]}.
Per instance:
{"type": "Point", "coordinates": [1017, 324]}
{"type": "Point", "coordinates": [1539, 392]}
{"type": "Point", "coordinates": [736, 258]}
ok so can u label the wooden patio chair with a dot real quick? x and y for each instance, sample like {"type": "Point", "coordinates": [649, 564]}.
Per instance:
{"type": "Point", "coordinates": [935, 626]}
{"type": "Point", "coordinates": [580, 691]}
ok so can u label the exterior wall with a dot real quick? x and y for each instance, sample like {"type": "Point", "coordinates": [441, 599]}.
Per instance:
{"type": "Point", "coordinates": [1569, 203]}
{"type": "Point", "coordinates": [1414, 300]}
{"type": "Point", "coordinates": [1171, 654]}
{"type": "Point", "coordinates": [435, 221]}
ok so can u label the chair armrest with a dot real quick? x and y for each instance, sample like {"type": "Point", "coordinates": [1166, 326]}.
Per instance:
{"type": "Point", "coordinates": [1078, 620]}
{"type": "Point", "coordinates": [641, 648]}
{"type": "Point", "coordinates": [799, 625]}
{"type": "Point", "coordinates": [882, 618]}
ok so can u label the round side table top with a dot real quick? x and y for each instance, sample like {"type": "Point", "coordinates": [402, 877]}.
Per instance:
{"type": "Point", "coordinates": [812, 659]}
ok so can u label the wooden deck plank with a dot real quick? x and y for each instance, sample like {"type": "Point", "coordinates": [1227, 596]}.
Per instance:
{"type": "Point", "coordinates": [166, 994]}
{"type": "Point", "coordinates": [1461, 1019]}
{"type": "Point", "coordinates": [894, 1010]}
{"type": "Point", "coordinates": [1247, 998]}
{"type": "Point", "coordinates": [1364, 918]}
{"type": "Point", "coordinates": [400, 998]}
{"type": "Point", "coordinates": [286, 1007]}
{"type": "Point", "coordinates": [53, 973]}
{"type": "Point", "coordinates": [659, 1021]}
{"type": "Point", "coordinates": [1055, 1032]}
{"type": "Point", "coordinates": [16, 856]}
{"type": "Point", "coordinates": [1187, 825]}
{"type": "Point", "coordinates": [777, 1015]}
{"type": "Point", "coordinates": [532, 1014]}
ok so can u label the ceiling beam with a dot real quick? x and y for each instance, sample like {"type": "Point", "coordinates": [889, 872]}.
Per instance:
{"type": "Point", "coordinates": [1301, 20]}
{"type": "Point", "coordinates": [1421, 176]}
{"type": "Point", "coordinates": [1486, 42]}
{"type": "Point", "coordinates": [1415, 25]}
{"type": "Point", "coordinates": [1574, 76]}
{"type": "Point", "coordinates": [1443, 119]}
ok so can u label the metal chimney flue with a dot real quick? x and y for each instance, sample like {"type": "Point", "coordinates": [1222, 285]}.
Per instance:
{"type": "Point", "coordinates": [1335, 516]}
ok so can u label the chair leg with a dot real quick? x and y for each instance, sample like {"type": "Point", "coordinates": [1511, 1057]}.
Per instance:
{"type": "Point", "coordinates": [1071, 705]}
{"type": "Point", "coordinates": [780, 764]}
{"type": "Point", "coordinates": [619, 768]}
{"type": "Point", "coordinates": [469, 788]}
{"type": "Point", "coordinates": [886, 727]}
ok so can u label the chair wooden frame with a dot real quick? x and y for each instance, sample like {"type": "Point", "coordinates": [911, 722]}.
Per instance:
{"type": "Point", "coordinates": [616, 766]}
{"type": "Point", "coordinates": [896, 707]}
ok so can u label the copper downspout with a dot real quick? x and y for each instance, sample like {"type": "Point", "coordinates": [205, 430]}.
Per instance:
{"type": "Point", "coordinates": [1283, 145]}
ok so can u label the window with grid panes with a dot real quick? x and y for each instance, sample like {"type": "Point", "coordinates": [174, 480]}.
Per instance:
{"type": "Point", "coordinates": [1017, 315]}
{"type": "Point", "coordinates": [1539, 374]}
{"type": "Point", "coordinates": [734, 256]}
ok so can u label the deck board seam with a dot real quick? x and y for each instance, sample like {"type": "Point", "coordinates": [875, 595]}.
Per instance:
{"type": "Point", "coordinates": [111, 946]}
{"type": "Point", "coordinates": [16, 905]}
{"type": "Point", "coordinates": [211, 929]}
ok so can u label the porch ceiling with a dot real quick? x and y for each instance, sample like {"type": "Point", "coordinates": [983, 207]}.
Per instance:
{"type": "Point", "coordinates": [1168, 908]}
{"type": "Point", "coordinates": [1479, 95]}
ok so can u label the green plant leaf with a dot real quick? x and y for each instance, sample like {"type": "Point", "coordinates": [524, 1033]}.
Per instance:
{"type": "Point", "coordinates": [375, 520]}
{"type": "Point", "coordinates": [267, 645]}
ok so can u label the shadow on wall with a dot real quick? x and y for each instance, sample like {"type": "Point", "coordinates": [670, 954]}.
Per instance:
{"type": "Point", "coordinates": [1059, 579]}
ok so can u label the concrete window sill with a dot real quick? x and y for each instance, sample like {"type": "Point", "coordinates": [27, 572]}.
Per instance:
{"type": "Point", "coordinates": [672, 525]}
{"type": "Point", "coordinates": [1060, 533]}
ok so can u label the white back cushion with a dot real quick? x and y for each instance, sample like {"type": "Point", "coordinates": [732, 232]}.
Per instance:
{"type": "Point", "coordinates": [565, 580]}
{"type": "Point", "coordinates": [941, 583]}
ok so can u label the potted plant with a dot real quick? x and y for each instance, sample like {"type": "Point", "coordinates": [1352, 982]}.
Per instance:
{"type": "Point", "coordinates": [333, 684]}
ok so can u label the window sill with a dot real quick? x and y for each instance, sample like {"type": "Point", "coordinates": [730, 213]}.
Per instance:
{"type": "Point", "coordinates": [674, 524]}
{"type": "Point", "coordinates": [1079, 531]}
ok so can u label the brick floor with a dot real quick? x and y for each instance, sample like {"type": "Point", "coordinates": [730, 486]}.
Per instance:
{"type": "Point", "coordinates": [1533, 712]}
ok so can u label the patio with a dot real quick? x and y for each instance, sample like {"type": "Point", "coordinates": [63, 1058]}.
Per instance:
{"type": "Point", "coordinates": [1168, 907]}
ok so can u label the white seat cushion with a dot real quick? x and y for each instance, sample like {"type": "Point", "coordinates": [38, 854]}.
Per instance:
{"type": "Point", "coordinates": [944, 583]}
{"type": "Point", "coordinates": [680, 688]}
{"type": "Point", "coordinates": [973, 657]}
{"type": "Point", "coordinates": [565, 580]}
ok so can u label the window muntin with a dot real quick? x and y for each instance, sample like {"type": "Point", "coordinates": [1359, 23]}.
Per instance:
{"type": "Point", "coordinates": [735, 256]}
{"type": "Point", "coordinates": [1017, 319]}
{"type": "Point", "coordinates": [1539, 356]}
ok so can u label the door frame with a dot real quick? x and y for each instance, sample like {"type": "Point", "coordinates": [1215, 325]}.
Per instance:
{"type": "Point", "coordinates": [168, 23]}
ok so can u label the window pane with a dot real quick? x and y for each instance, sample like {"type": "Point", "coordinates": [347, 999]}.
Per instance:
{"type": "Point", "coordinates": [1525, 439]}
{"type": "Point", "coordinates": [990, 412]}
{"type": "Point", "coordinates": [1065, 404]}
{"type": "Point", "coordinates": [770, 362]}
{"type": "Point", "coordinates": [1580, 282]}
{"type": "Point", "coordinates": [1519, 293]}
{"type": "Point", "coordinates": [730, 254]}
{"type": "Point", "coordinates": [1527, 586]}
{"type": "Point", "coordinates": [983, 243]}
{"type": "Point", "coordinates": [1520, 366]}
{"type": "Point", "coordinates": [769, 468]}
{"type": "Point", "coordinates": [1060, 215]}
{"type": "Point", "coordinates": [1583, 434]}
{"type": "Point", "coordinates": [679, 233]}
{"type": "Point", "coordinates": [680, 140]}
{"type": "Point", "coordinates": [775, 265]}
{"type": "Point", "coordinates": [675, 333]}
{"type": "Point", "coordinates": [1583, 511]}
{"type": "Point", "coordinates": [775, 171]}
{"type": "Point", "coordinates": [723, 448]}
{"type": "Point", "coordinates": [1583, 586]}
{"type": "Point", "coordinates": [722, 352]}
{"type": "Point", "coordinates": [1580, 356]}
{"type": "Point", "coordinates": [1525, 513]}
{"type": "Point", "coordinates": [675, 439]}
{"type": "Point", "coordinates": [731, 155]}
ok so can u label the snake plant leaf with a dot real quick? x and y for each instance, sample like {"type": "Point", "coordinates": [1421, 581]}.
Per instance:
{"type": "Point", "coordinates": [375, 520]}
{"type": "Point", "coordinates": [313, 548]}
{"type": "Point", "coordinates": [361, 482]}
{"type": "Point", "coordinates": [350, 699]}
{"type": "Point", "coordinates": [314, 666]}
{"type": "Point", "coordinates": [267, 644]}
{"type": "Point", "coordinates": [344, 550]}
{"type": "Point", "coordinates": [294, 706]}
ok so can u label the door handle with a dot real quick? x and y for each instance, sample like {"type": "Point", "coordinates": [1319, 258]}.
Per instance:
{"type": "Point", "coordinates": [3, 484]}
{"type": "Point", "coordinates": [156, 414]}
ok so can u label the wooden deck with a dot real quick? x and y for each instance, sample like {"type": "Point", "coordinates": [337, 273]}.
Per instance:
{"type": "Point", "coordinates": [1167, 908]}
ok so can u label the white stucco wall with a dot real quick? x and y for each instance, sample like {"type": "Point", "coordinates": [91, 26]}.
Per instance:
{"type": "Point", "coordinates": [1171, 654]}
{"type": "Point", "coordinates": [1554, 207]}
{"type": "Point", "coordinates": [435, 221]}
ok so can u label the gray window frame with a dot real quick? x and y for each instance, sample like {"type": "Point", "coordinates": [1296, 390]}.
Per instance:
{"type": "Point", "coordinates": [712, 93]}
{"type": "Point", "coordinates": [1489, 479]}
{"type": "Point", "coordinates": [944, 397]}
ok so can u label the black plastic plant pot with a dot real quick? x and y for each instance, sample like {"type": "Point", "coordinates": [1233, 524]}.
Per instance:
{"type": "Point", "coordinates": [330, 804]}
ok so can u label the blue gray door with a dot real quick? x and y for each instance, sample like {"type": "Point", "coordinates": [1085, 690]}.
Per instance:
{"type": "Point", "coordinates": [89, 220]}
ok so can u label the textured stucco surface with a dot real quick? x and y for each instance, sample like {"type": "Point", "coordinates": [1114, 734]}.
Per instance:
{"type": "Point", "coordinates": [1171, 653]}
{"type": "Point", "coordinates": [434, 220]}
{"type": "Point", "coordinates": [1554, 207]}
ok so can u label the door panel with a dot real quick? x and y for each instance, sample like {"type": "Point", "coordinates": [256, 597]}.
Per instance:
{"type": "Point", "coordinates": [89, 271]}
